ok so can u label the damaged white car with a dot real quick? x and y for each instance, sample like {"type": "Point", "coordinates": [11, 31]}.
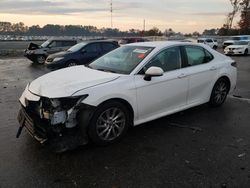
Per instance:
{"type": "Point", "coordinates": [131, 85]}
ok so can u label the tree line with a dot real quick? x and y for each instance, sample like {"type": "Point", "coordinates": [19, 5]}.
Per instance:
{"type": "Point", "coordinates": [7, 28]}
{"type": "Point", "coordinates": [241, 7]}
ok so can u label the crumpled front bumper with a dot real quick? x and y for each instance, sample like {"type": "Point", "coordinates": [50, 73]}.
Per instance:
{"type": "Point", "coordinates": [36, 127]}
{"type": "Point", "coordinates": [58, 135]}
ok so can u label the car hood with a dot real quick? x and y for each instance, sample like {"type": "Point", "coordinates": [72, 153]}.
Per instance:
{"type": "Point", "coordinates": [59, 54]}
{"type": "Point", "coordinates": [66, 82]}
{"type": "Point", "coordinates": [229, 41]}
{"type": "Point", "coordinates": [236, 46]}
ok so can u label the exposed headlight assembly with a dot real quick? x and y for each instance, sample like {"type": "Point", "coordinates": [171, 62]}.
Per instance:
{"type": "Point", "coordinates": [59, 110]}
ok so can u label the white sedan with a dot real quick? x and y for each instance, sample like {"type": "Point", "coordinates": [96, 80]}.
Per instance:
{"type": "Point", "coordinates": [131, 85]}
{"type": "Point", "coordinates": [238, 48]}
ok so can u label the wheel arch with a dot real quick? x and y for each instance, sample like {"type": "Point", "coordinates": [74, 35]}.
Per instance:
{"type": "Point", "coordinates": [72, 60]}
{"type": "Point", "coordinates": [126, 104]}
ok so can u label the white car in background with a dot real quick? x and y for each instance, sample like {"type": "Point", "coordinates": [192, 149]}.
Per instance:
{"type": "Point", "coordinates": [209, 41]}
{"type": "Point", "coordinates": [131, 85]}
{"type": "Point", "coordinates": [238, 48]}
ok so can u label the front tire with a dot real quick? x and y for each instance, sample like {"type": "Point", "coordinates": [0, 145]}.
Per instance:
{"type": "Point", "coordinates": [219, 92]}
{"type": "Point", "coordinates": [71, 63]}
{"type": "Point", "coordinates": [109, 123]}
{"type": "Point", "coordinates": [246, 52]}
{"type": "Point", "coordinates": [40, 59]}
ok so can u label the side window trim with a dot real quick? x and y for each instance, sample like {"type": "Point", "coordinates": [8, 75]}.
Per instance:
{"type": "Point", "coordinates": [184, 58]}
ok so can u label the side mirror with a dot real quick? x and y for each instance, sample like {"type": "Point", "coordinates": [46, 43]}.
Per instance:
{"type": "Point", "coordinates": [152, 72]}
{"type": "Point", "coordinates": [83, 51]}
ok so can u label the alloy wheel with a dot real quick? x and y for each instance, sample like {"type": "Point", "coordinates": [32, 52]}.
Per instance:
{"type": "Point", "coordinates": [110, 124]}
{"type": "Point", "coordinates": [220, 92]}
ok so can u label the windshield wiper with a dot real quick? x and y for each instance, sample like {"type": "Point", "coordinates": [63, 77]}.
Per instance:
{"type": "Point", "coordinates": [88, 66]}
{"type": "Point", "coordinates": [106, 70]}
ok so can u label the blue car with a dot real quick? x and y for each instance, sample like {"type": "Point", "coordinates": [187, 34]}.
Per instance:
{"type": "Point", "coordinates": [80, 54]}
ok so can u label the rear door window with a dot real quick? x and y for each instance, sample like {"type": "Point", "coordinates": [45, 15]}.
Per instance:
{"type": "Point", "coordinates": [68, 43]}
{"type": "Point", "coordinates": [106, 47]}
{"type": "Point", "coordinates": [93, 48]}
{"type": "Point", "coordinates": [197, 55]}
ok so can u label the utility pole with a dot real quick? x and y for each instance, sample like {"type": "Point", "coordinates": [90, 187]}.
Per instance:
{"type": "Point", "coordinates": [111, 12]}
{"type": "Point", "coordinates": [144, 25]}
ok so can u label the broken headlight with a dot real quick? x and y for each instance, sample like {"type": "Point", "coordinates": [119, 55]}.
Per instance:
{"type": "Point", "coordinates": [59, 108]}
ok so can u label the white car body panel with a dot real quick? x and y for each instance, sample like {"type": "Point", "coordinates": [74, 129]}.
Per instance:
{"type": "Point", "coordinates": [237, 49]}
{"type": "Point", "coordinates": [174, 91]}
{"type": "Point", "coordinates": [211, 44]}
{"type": "Point", "coordinates": [169, 92]}
{"type": "Point", "coordinates": [66, 82]}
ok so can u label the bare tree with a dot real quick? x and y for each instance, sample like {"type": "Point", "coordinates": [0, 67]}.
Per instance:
{"type": "Point", "coordinates": [230, 17]}
{"type": "Point", "coordinates": [244, 22]}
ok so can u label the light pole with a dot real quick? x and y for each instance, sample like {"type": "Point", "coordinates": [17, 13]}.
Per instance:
{"type": "Point", "coordinates": [111, 12]}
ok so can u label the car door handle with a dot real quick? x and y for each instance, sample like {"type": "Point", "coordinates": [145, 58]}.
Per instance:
{"type": "Point", "coordinates": [213, 68]}
{"type": "Point", "coordinates": [182, 75]}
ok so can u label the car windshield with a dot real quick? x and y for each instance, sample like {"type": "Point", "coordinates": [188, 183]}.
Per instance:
{"type": "Point", "coordinates": [123, 41]}
{"type": "Point", "coordinates": [77, 47]}
{"type": "Point", "coordinates": [200, 41]}
{"type": "Point", "coordinates": [239, 38]}
{"type": "Point", "coordinates": [242, 43]}
{"type": "Point", "coordinates": [45, 44]}
{"type": "Point", "coordinates": [122, 60]}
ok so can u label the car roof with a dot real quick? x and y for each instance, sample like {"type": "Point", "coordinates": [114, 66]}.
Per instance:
{"type": "Point", "coordinates": [160, 44]}
{"type": "Point", "coordinates": [204, 38]}
{"type": "Point", "coordinates": [62, 39]}
{"type": "Point", "coordinates": [98, 41]}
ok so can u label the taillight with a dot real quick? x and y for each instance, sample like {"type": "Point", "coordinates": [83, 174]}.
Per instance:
{"type": "Point", "coordinates": [234, 64]}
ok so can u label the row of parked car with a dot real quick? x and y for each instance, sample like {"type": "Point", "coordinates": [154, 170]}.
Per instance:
{"type": "Point", "coordinates": [59, 53]}
{"type": "Point", "coordinates": [238, 45]}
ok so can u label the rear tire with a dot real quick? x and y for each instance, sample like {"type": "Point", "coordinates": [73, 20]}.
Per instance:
{"type": "Point", "coordinates": [109, 123]}
{"type": "Point", "coordinates": [219, 92]}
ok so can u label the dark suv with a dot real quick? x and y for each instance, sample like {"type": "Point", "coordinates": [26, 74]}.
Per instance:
{"type": "Point", "coordinates": [80, 54]}
{"type": "Point", "coordinates": [39, 53]}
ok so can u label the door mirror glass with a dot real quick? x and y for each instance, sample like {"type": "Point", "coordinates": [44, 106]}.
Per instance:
{"type": "Point", "coordinates": [152, 72]}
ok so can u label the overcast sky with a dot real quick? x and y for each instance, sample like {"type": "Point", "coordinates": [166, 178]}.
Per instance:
{"type": "Point", "coordinates": [180, 15]}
